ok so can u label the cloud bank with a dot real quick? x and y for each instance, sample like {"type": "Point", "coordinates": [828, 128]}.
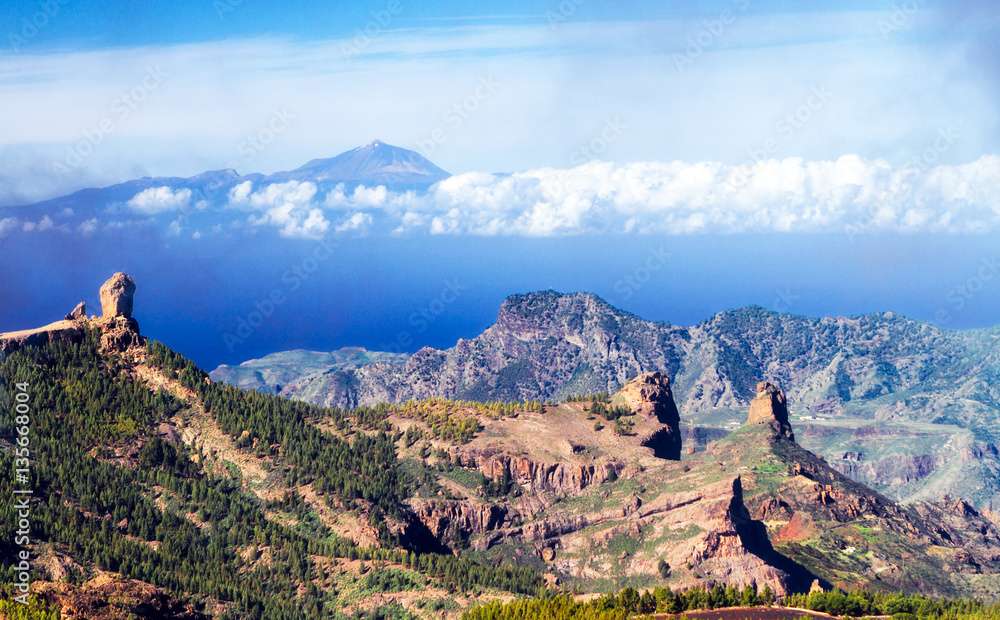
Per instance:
{"type": "Point", "coordinates": [848, 195]}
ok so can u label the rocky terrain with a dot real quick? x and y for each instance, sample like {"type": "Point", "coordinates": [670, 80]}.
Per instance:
{"type": "Point", "coordinates": [755, 507]}
{"type": "Point", "coordinates": [862, 386]}
{"type": "Point", "coordinates": [431, 505]}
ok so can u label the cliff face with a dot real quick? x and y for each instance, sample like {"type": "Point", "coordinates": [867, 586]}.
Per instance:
{"type": "Point", "coordinates": [649, 395]}
{"type": "Point", "coordinates": [538, 476]}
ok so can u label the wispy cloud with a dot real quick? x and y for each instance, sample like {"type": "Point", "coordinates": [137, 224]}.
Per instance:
{"type": "Point", "coordinates": [889, 96]}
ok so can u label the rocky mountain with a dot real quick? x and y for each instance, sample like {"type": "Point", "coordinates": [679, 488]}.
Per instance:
{"type": "Point", "coordinates": [903, 405]}
{"type": "Point", "coordinates": [201, 499]}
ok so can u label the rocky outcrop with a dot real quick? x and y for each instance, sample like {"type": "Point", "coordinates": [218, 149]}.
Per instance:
{"type": "Point", "coordinates": [736, 550]}
{"type": "Point", "coordinates": [119, 332]}
{"type": "Point", "coordinates": [560, 478]}
{"type": "Point", "coordinates": [116, 296]}
{"type": "Point", "coordinates": [770, 407]}
{"type": "Point", "coordinates": [112, 597]}
{"type": "Point", "coordinates": [79, 312]}
{"type": "Point", "coordinates": [649, 395]}
{"type": "Point", "coordinates": [892, 471]}
{"type": "Point", "coordinates": [454, 522]}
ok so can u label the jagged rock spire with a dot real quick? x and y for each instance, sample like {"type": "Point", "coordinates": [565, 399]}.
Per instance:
{"type": "Point", "coordinates": [769, 406]}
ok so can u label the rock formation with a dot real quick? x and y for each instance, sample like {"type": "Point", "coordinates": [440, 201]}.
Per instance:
{"type": "Point", "coordinates": [78, 312]}
{"type": "Point", "coordinates": [736, 549]}
{"type": "Point", "coordinates": [650, 395]}
{"type": "Point", "coordinates": [769, 406]}
{"type": "Point", "coordinates": [119, 332]}
{"type": "Point", "coordinates": [534, 476]}
{"type": "Point", "coordinates": [116, 296]}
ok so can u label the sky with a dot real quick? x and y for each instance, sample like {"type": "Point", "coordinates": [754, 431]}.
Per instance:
{"type": "Point", "coordinates": [846, 155]}
{"type": "Point", "coordinates": [174, 88]}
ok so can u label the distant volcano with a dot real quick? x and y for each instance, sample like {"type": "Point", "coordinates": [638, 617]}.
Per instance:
{"type": "Point", "coordinates": [374, 163]}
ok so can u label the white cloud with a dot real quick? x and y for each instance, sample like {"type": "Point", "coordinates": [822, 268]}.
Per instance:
{"type": "Point", "coordinates": [41, 225]}
{"type": "Point", "coordinates": [7, 224]}
{"type": "Point", "coordinates": [240, 193]}
{"type": "Point", "coordinates": [849, 194]}
{"type": "Point", "coordinates": [889, 96]}
{"type": "Point", "coordinates": [87, 227]}
{"type": "Point", "coordinates": [287, 206]}
{"type": "Point", "coordinates": [155, 200]}
{"type": "Point", "coordinates": [357, 222]}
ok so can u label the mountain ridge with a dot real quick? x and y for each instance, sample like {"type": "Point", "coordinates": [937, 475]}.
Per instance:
{"type": "Point", "coordinates": [851, 378]}
{"type": "Point", "coordinates": [371, 164]}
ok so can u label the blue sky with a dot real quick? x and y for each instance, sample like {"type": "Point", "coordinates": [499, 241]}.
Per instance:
{"type": "Point", "coordinates": [705, 81]}
{"type": "Point", "coordinates": [81, 24]}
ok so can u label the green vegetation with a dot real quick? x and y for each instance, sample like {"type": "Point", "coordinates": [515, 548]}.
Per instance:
{"type": "Point", "coordinates": [365, 469]}
{"type": "Point", "coordinates": [90, 418]}
{"type": "Point", "coordinates": [610, 412]}
{"type": "Point", "coordinates": [457, 420]}
{"type": "Point", "coordinates": [36, 609]}
{"type": "Point", "coordinates": [630, 602]}
{"type": "Point", "coordinates": [596, 397]}
{"type": "Point", "coordinates": [391, 580]}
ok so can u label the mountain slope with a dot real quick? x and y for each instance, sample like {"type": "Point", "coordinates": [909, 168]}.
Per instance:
{"type": "Point", "coordinates": [863, 387]}
{"type": "Point", "coordinates": [157, 486]}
